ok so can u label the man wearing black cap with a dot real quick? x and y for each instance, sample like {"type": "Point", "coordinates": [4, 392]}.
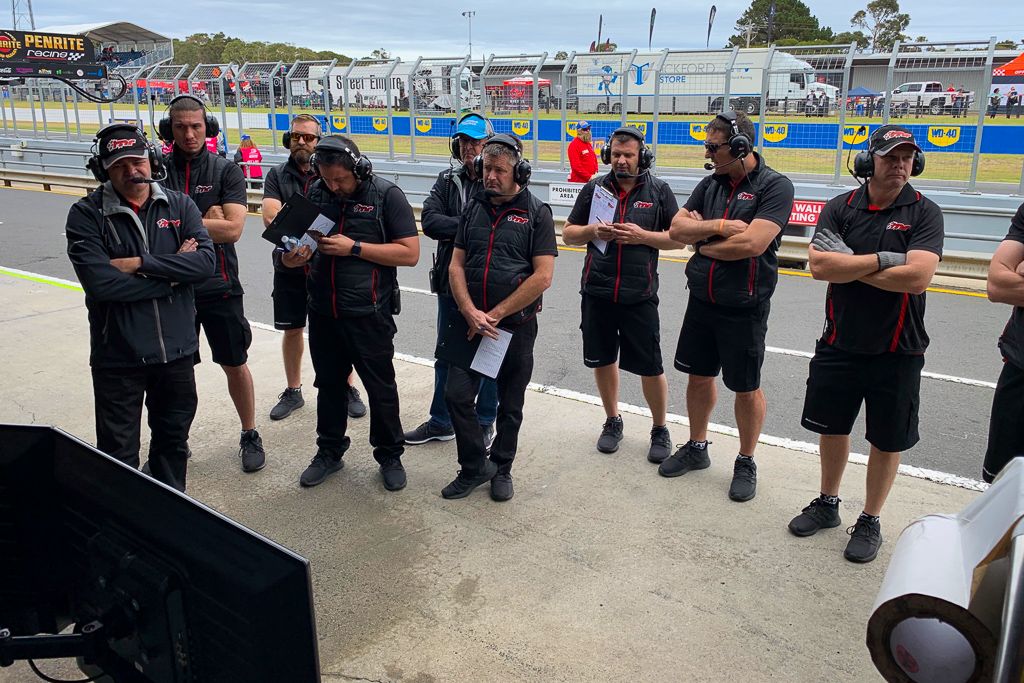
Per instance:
{"type": "Point", "coordinates": [1006, 286]}
{"type": "Point", "coordinates": [441, 210]}
{"type": "Point", "coordinates": [878, 247]}
{"type": "Point", "coordinates": [217, 186]}
{"type": "Point", "coordinates": [138, 249]}
{"type": "Point", "coordinates": [619, 285]}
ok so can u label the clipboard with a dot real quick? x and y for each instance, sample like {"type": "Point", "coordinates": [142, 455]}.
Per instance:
{"type": "Point", "coordinates": [295, 218]}
{"type": "Point", "coordinates": [452, 345]}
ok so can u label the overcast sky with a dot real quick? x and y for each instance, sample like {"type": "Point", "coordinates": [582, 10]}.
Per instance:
{"type": "Point", "coordinates": [408, 29]}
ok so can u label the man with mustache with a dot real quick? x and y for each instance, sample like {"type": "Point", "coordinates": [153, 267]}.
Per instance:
{"type": "Point", "coordinates": [138, 249]}
{"type": "Point", "coordinates": [878, 247]}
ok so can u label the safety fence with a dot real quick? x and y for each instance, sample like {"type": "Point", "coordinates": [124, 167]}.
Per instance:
{"type": "Point", "coordinates": [812, 106]}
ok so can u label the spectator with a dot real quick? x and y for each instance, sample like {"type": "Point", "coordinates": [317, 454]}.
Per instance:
{"type": "Point", "coordinates": [582, 160]}
{"type": "Point", "coordinates": [1012, 102]}
{"type": "Point", "coordinates": [993, 103]}
{"type": "Point", "coordinates": [249, 157]}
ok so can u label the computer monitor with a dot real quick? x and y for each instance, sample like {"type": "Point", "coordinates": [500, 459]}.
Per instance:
{"type": "Point", "coordinates": [159, 587]}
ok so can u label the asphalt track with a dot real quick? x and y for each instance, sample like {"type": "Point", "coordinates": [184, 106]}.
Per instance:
{"type": "Point", "coordinates": [954, 411]}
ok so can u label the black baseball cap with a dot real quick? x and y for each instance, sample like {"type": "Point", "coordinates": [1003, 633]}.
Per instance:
{"type": "Point", "coordinates": [120, 143]}
{"type": "Point", "coordinates": [888, 138]}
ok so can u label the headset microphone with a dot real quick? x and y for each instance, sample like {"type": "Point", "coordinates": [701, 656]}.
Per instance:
{"type": "Point", "coordinates": [712, 167]}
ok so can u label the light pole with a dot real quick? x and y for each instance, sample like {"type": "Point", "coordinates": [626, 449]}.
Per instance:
{"type": "Point", "coordinates": [469, 14]}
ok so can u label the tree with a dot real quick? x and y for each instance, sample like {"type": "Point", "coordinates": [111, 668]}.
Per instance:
{"type": "Point", "coordinates": [1006, 45]}
{"type": "Point", "coordinates": [561, 54]}
{"type": "Point", "coordinates": [203, 48]}
{"type": "Point", "coordinates": [792, 21]}
{"type": "Point", "coordinates": [883, 22]}
{"type": "Point", "coordinates": [380, 53]}
{"type": "Point", "coordinates": [853, 37]}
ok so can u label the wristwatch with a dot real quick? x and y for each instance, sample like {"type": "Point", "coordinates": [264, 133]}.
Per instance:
{"type": "Point", "coordinates": [357, 248]}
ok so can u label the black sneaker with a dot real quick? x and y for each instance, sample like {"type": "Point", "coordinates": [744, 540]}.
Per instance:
{"type": "Point", "coordinates": [250, 450]}
{"type": "Point", "coordinates": [865, 540]}
{"type": "Point", "coordinates": [744, 480]}
{"type": "Point", "coordinates": [463, 485]}
{"type": "Point", "coordinates": [687, 458]}
{"type": "Point", "coordinates": [661, 445]}
{"type": "Point", "coordinates": [488, 431]}
{"type": "Point", "coordinates": [611, 435]}
{"type": "Point", "coordinates": [501, 487]}
{"type": "Point", "coordinates": [814, 518]}
{"type": "Point", "coordinates": [429, 432]}
{"type": "Point", "coordinates": [393, 473]}
{"type": "Point", "coordinates": [290, 401]}
{"type": "Point", "coordinates": [320, 467]}
{"type": "Point", "coordinates": [356, 407]}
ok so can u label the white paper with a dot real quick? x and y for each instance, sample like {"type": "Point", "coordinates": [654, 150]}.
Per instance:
{"type": "Point", "coordinates": [321, 224]}
{"type": "Point", "coordinates": [490, 353]}
{"type": "Point", "coordinates": [602, 210]}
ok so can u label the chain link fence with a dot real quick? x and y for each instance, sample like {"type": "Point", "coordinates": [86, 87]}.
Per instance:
{"type": "Point", "coordinates": [812, 105]}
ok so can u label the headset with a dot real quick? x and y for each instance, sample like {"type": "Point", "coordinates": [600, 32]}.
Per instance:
{"type": "Point", "coordinates": [739, 144]}
{"type": "Point", "coordinates": [95, 165]}
{"type": "Point", "coordinates": [454, 146]}
{"type": "Point", "coordinates": [864, 163]}
{"type": "Point", "coordinates": [165, 130]}
{"type": "Point", "coordinates": [646, 155]}
{"type": "Point", "coordinates": [522, 169]}
{"type": "Point", "coordinates": [286, 137]}
{"type": "Point", "coordinates": [362, 167]}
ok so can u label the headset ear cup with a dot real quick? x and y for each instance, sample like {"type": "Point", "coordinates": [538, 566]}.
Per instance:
{"type": "Point", "coordinates": [363, 169]}
{"type": "Point", "coordinates": [478, 165]}
{"type": "Point", "coordinates": [455, 148]}
{"type": "Point", "coordinates": [164, 130]}
{"type": "Point", "coordinates": [96, 168]}
{"type": "Point", "coordinates": [606, 152]}
{"type": "Point", "coordinates": [863, 165]}
{"type": "Point", "coordinates": [918, 167]}
{"type": "Point", "coordinates": [523, 172]}
{"type": "Point", "coordinates": [212, 127]}
{"type": "Point", "coordinates": [739, 145]}
{"type": "Point", "coordinates": [286, 140]}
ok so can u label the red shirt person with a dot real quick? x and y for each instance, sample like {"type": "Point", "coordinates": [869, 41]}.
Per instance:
{"type": "Point", "coordinates": [582, 160]}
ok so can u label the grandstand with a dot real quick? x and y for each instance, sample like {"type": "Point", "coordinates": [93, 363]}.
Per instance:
{"type": "Point", "coordinates": [122, 43]}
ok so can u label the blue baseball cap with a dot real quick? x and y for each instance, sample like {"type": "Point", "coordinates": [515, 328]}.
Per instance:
{"type": "Point", "coordinates": [473, 126]}
{"type": "Point", "coordinates": [583, 125]}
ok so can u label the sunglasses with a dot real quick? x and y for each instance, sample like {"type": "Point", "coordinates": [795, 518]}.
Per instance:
{"type": "Point", "coordinates": [713, 147]}
{"type": "Point", "coordinates": [304, 137]}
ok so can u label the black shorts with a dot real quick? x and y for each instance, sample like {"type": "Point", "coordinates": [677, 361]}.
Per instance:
{"type": "Point", "coordinates": [889, 384]}
{"type": "Point", "coordinates": [635, 328]}
{"type": "Point", "coordinates": [289, 299]}
{"type": "Point", "coordinates": [1006, 426]}
{"type": "Point", "coordinates": [723, 338]}
{"type": "Point", "coordinates": [227, 330]}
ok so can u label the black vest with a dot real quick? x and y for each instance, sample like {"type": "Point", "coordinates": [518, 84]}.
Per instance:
{"type": "Point", "coordinates": [746, 282]}
{"type": "Point", "coordinates": [349, 286]}
{"type": "Point", "coordinates": [499, 251]}
{"type": "Point", "coordinates": [626, 273]}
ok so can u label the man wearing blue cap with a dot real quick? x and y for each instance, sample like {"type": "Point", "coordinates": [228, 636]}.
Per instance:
{"type": "Point", "coordinates": [441, 211]}
{"type": "Point", "coordinates": [582, 160]}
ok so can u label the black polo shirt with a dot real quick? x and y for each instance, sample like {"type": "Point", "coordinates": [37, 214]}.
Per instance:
{"type": "Point", "coordinates": [861, 318]}
{"type": "Point", "coordinates": [1011, 343]}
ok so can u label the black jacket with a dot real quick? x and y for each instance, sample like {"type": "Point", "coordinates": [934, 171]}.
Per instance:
{"type": "Point", "coordinates": [626, 273]}
{"type": "Point", "coordinates": [148, 317]}
{"type": "Point", "coordinates": [281, 183]}
{"type": "Point", "coordinates": [750, 281]}
{"type": "Point", "coordinates": [440, 220]}
{"type": "Point", "coordinates": [211, 180]}
{"type": "Point", "coordinates": [349, 286]}
{"type": "Point", "coordinates": [499, 244]}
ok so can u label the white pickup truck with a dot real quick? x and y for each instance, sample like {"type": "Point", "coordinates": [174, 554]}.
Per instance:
{"type": "Point", "coordinates": [930, 94]}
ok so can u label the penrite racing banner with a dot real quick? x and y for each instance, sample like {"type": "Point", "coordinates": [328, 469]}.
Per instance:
{"type": "Point", "coordinates": [45, 48]}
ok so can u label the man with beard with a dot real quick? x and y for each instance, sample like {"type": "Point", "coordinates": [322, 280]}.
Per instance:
{"type": "Point", "coordinates": [440, 219]}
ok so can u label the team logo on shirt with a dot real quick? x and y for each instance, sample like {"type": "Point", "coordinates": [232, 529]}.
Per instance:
{"type": "Point", "coordinates": [894, 225]}
{"type": "Point", "coordinates": [363, 208]}
{"type": "Point", "coordinates": [643, 205]}
{"type": "Point", "coordinates": [519, 219]}
{"type": "Point", "coordinates": [202, 189]}
{"type": "Point", "coordinates": [745, 196]}
{"type": "Point", "coordinates": [168, 223]}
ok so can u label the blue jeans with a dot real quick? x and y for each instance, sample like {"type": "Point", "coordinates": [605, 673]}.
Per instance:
{"type": "Point", "coordinates": [487, 395]}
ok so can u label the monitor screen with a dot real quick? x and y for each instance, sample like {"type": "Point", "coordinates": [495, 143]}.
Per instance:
{"type": "Point", "coordinates": [183, 592]}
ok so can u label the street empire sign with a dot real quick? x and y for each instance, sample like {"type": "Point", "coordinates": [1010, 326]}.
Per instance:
{"type": "Point", "coordinates": [47, 48]}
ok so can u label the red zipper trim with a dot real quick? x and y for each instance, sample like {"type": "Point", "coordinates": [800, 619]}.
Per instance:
{"type": "Point", "coordinates": [373, 286]}
{"type": "Point", "coordinates": [899, 323]}
{"type": "Point", "coordinates": [623, 203]}
{"type": "Point", "coordinates": [188, 174]}
{"type": "Point", "coordinates": [750, 282]}
{"type": "Point", "coordinates": [490, 249]}
{"type": "Point", "coordinates": [831, 316]}
{"type": "Point", "coordinates": [223, 265]}
{"type": "Point", "coordinates": [711, 271]}
{"type": "Point", "coordinates": [586, 268]}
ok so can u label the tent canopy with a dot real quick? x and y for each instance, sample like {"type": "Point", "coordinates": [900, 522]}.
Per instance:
{"type": "Point", "coordinates": [861, 91]}
{"type": "Point", "coordinates": [110, 32]}
{"type": "Point", "coordinates": [527, 81]}
{"type": "Point", "coordinates": [1014, 68]}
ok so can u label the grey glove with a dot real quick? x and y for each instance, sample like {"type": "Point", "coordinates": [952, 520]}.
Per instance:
{"type": "Point", "coordinates": [826, 240]}
{"type": "Point", "coordinates": [888, 259]}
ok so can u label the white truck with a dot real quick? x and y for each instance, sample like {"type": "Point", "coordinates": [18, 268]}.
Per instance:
{"type": "Point", "coordinates": [690, 82]}
{"type": "Point", "coordinates": [436, 87]}
{"type": "Point", "coordinates": [927, 94]}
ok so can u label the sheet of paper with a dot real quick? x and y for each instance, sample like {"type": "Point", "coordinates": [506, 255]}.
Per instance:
{"type": "Point", "coordinates": [491, 353]}
{"type": "Point", "coordinates": [307, 241]}
{"type": "Point", "coordinates": [322, 224]}
{"type": "Point", "coordinates": [602, 210]}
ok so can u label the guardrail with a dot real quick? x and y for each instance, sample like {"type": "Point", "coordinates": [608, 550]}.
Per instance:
{"type": "Point", "coordinates": [963, 264]}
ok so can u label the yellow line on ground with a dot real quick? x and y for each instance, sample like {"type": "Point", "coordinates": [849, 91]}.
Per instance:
{"type": "Point", "coordinates": [42, 280]}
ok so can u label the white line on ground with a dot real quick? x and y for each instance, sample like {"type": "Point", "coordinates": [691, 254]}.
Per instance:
{"type": "Point", "coordinates": [781, 442]}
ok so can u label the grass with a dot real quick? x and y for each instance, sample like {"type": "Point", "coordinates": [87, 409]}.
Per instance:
{"type": "Point", "coordinates": [994, 168]}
